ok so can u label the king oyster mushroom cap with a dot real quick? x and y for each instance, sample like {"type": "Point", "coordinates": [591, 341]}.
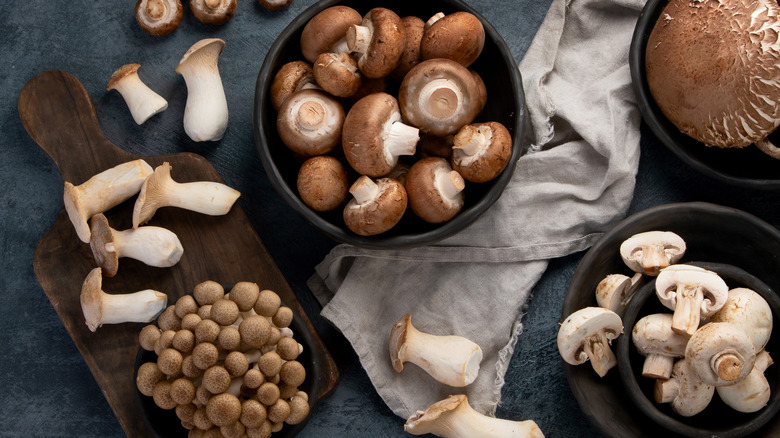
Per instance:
{"type": "Point", "coordinates": [154, 246]}
{"type": "Point", "coordinates": [459, 36]}
{"type": "Point", "coordinates": [654, 339]}
{"type": "Point", "coordinates": [310, 122]}
{"type": "Point", "coordinates": [101, 308]}
{"type": "Point", "coordinates": [411, 56]}
{"type": "Point", "coordinates": [721, 87]}
{"type": "Point", "coordinates": [481, 151]}
{"type": "Point", "coordinates": [291, 77]}
{"type": "Point", "coordinates": [748, 310]}
{"type": "Point", "coordinates": [692, 293]}
{"type": "Point", "coordinates": [450, 359]}
{"type": "Point", "coordinates": [752, 393]}
{"type": "Point", "coordinates": [159, 17]}
{"type": "Point", "coordinates": [103, 191]}
{"type": "Point", "coordinates": [373, 135]}
{"type": "Point", "coordinates": [615, 291]}
{"type": "Point", "coordinates": [206, 109]}
{"type": "Point", "coordinates": [720, 354]}
{"type": "Point", "coordinates": [327, 30]}
{"type": "Point", "coordinates": [439, 96]}
{"type": "Point", "coordinates": [686, 394]}
{"type": "Point", "coordinates": [160, 190]}
{"type": "Point", "coordinates": [142, 101]}
{"type": "Point", "coordinates": [213, 11]}
{"type": "Point", "coordinates": [378, 42]}
{"type": "Point", "coordinates": [587, 335]}
{"type": "Point", "coordinates": [337, 73]}
{"type": "Point", "coordinates": [651, 251]}
{"type": "Point", "coordinates": [435, 190]}
{"type": "Point", "coordinates": [376, 206]}
{"type": "Point", "coordinates": [453, 417]}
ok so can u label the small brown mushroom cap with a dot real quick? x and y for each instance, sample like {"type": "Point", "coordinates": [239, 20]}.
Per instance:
{"type": "Point", "coordinates": [188, 368]}
{"type": "Point", "coordinates": [185, 412]}
{"type": "Point", "coordinates": [148, 336]}
{"type": "Point", "coordinates": [412, 55]}
{"type": "Point", "coordinates": [268, 393]}
{"type": "Point", "coordinates": [147, 376]}
{"type": "Point", "coordinates": [207, 330]}
{"type": "Point", "coordinates": [159, 17]}
{"type": "Point", "coordinates": [244, 294]}
{"type": "Point", "coordinates": [201, 420]}
{"type": "Point", "coordinates": [168, 319]}
{"type": "Point", "coordinates": [254, 330]}
{"type": "Point", "coordinates": [183, 341]}
{"type": "Point", "coordinates": [253, 414]}
{"type": "Point", "coordinates": [182, 391]}
{"type": "Point", "coordinates": [270, 363]}
{"type": "Point", "coordinates": [213, 11]}
{"type": "Point", "coordinates": [322, 183]}
{"type": "Point", "coordinates": [481, 151]}
{"type": "Point", "coordinates": [205, 355]}
{"type": "Point", "coordinates": [223, 409]}
{"type": "Point", "coordinates": [299, 410]}
{"type": "Point", "coordinates": [293, 373]}
{"type": "Point", "coordinates": [103, 234]}
{"type": "Point", "coordinates": [229, 339]}
{"type": "Point", "coordinates": [165, 341]}
{"type": "Point", "coordinates": [309, 122]}
{"type": "Point", "coordinates": [208, 292]}
{"type": "Point", "coordinates": [381, 49]}
{"type": "Point", "coordinates": [279, 411]}
{"type": "Point", "coordinates": [224, 311]}
{"type": "Point", "coordinates": [380, 210]}
{"type": "Point", "coordinates": [337, 73]}
{"type": "Point", "coordinates": [185, 305]}
{"type": "Point", "coordinates": [268, 303]}
{"type": "Point", "coordinates": [170, 361]}
{"type": "Point", "coordinates": [190, 321]}
{"type": "Point", "coordinates": [326, 31]}
{"type": "Point", "coordinates": [264, 431]}
{"type": "Point", "coordinates": [253, 378]}
{"type": "Point", "coordinates": [291, 77]}
{"type": "Point", "coordinates": [459, 36]}
{"type": "Point", "coordinates": [236, 363]}
{"type": "Point", "coordinates": [435, 190]}
{"type": "Point", "coordinates": [283, 317]}
{"type": "Point", "coordinates": [216, 379]}
{"type": "Point", "coordinates": [162, 395]}
{"type": "Point", "coordinates": [287, 348]}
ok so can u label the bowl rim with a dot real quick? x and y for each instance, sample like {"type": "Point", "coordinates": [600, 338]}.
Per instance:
{"type": "Point", "coordinates": [404, 241]}
{"type": "Point", "coordinates": [652, 115]}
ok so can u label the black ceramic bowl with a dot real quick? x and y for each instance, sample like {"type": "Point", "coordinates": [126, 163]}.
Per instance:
{"type": "Point", "coordinates": [718, 419]}
{"type": "Point", "coordinates": [713, 234]}
{"type": "Point", "coordinates": [165, 424]}
{"type": "Point", "coordinates": [747, 167]}
{"type": "Point", "coordinates": [505, 104]}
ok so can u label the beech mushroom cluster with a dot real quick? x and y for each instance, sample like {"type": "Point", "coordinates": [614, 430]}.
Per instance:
{"type": "Point", "coordinates": [338, 94]}
{"type": "Point", "coordinates": [226, 362]}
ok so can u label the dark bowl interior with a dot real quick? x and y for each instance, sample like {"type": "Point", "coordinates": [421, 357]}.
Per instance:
{"type": "Point", "coordinates": [506, 104]}
{"type": "Point", "coordinates": [747, 167]}
{"type": "Point", "coordinates": [714, 234]}
{"type": "Point", "coordinates": [165, 424]}
{"type": "Point", "coordinates": [718, 419]}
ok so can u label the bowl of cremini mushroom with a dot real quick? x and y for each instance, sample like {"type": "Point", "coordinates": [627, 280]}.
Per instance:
{"type": "Point", "coordinates": [389, 125]}
{"type": "Point", "coordinates": [232, 360]}
{"type": "Point", "coordinates": [674, 275]}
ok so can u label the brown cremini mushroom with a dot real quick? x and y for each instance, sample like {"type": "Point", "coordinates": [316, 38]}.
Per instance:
{"type": "Point", "coordinates": [376, 207]}
{"type": "Point", "coordinates": [411, 56]}
{"type": "Point", "coordinates": [378, 42]}
{"type": "Point", "coordinates": [322, 183]}
{"type": "Point", "coordinates": [291, 77]}
{"type": "Point", "coordinates": [309, 122]}
{"type": "Point", "coordinates": [159, 17]}
{"type": "Point", "coordinates": [481, 151]}
{"type": "Point", "coordinates": [213, 11]}
{"type": "Point", "coordinates": [459, 36]}
{"type": "Point", "coordinates": [337, 73]}
{"type": "Point", "coordinates": [326, 31]}
{"type": "Point", "coordinates": [101, 308]}
{"type": "Point", "coordinates": [435, 190]}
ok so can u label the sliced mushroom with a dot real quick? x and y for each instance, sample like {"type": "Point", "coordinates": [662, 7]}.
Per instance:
{"type": "Point", "coordinates": [378, 42]}
{"type": "Point", "coordinates": [291, 77]}
{"type": "Point", "coordinates": [651, 251]}
{"type": "Point", "coordinates": [159, 17]}
{"type": "Point", "coordinates": [752, 393]}
{"type": "Point", "coordinates": [327, 30]}
{"type": "Point", "coordinates": [692, 293]}
{"type": "Point", "coordinates": [654, 338]}
{"type": "Point", "coordinates": [142, 101]}
{"type": "Point", "coordinates": [587, 335]}
{"type": "Point", "coordinates": [720, 353]}
{"type": "Point", "coordinates": [748, 310]}
{"type": "Point", "coordinates": [337, 73]}
{"type": "Point", "coordinates": [376, 206]}
{"type": "Point", "coordinates": [481, 151]}
{"type": "Point", "coordinates": [322, 183]}
{"type": "Point", "coordinates": [310, 122]}
{"type": "Point", "coordinates": [686, 394]}
{"type": "Point", "coordinates": [213, 11]}
{"type": "Point", "coordinates": [615, 291]}
{"type": "Point", "coordinates": [459, 36]}
{"type": "Point", "coordinates": [435, 190]}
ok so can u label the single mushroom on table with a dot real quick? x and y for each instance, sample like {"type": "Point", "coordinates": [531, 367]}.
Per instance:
{"type": "Point", "coordinates": [692, 293]}
{"type": "Point", "coordinates": [160, 190]}
{"type": "Point", "coordinates": [213, 11]}
{"type": "Point", "coordinates": [651, 251]}
{"type": "Point", "coordinates": [450, 359]}
{"type": "Point", "coordinates": [459, 36]}
{"type": "Point", "coordinates": [327, 31]}
{"type": "Point", "coordinates": [720, 353]}
{"type": "Point", "coordinates": [291, 77]}
{"type": "Point", "coordinates": [101, 308]}
{"type": "Point", "coordinates": [752, 393]}
{"type": "Point", "coordinates": [374, 137]}
{"type": "Point", "coordinates": [154, 246]}
{"type": "Point", "coordinates": [654, 339]}
{"type": "Point", "coordinates": [378, 42]}
{"type": "Point", "coordinates": [453, 417]}
{"type": "Point", "coordinates": [587, 335]}
{"type": "Point", "coordinates": [206, 109]}
{"type": "Point", "coordinates": [615, 291]}
{"type": "Point", "coordinates": [322, 183]}
{"type": "Point", "coordinates": [158, 17]}
{"type": "Point", "coordinates": [103, 191]}
{"type": "Point", "coordinates": [142, 101]}
{"type": "Point", "coordinates": [435, 190]}
{"type": "Point", "coordinates": [481, 151]}
{"type": "Point", "coordinates": [310, 122]}
{"type": "Point", "coordinates": [376, 207]}
{"type": "Point", "coordinates": [686, 394]}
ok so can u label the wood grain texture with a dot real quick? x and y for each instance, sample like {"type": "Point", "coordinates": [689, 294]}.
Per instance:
{"type": "Point", "coordinates": [58, 114]}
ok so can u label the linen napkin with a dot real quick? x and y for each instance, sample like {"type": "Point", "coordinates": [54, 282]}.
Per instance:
{"type": "Point", "coordinates": [575, 181]}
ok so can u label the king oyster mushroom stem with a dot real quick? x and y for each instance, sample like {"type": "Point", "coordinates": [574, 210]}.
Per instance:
{"type": "Point", "coordinates": [692, 293]}
{"type": "Point", "coordinates": [206, 110]}
{"type": "Point", "coordinates": [615, 291]}
{"type": "Point", "coordinates": [154, 246]}
{"type": "Point", "coordinates": [101, 308]}
{"type": "Point", "coordinates": [749, 311]}
{"type": "Point", "coordinates": [453, 417]}
{"type": "Point", "coordinates": [587, 335]}
{"type": "Point", "coordinates": [103, 191]}
{"type": "Point", "coordinates": [654, 338]}
{"type": "Point", "coordinates": [142, 101]}
{"type": "Point", "coordinates": [752, 393]}
{"type": "Point", "coordinates": [452, 360]}
{"type": "Point", "coordinates": [651, 251]}
{"type": "Point", "coordinates": [686, 394]}
{"type": "Point", "coordinates": [160, 190]}
{"type": "Point", "coordinates": [720, 354]}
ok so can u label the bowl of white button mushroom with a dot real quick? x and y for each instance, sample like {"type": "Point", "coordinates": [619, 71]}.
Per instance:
{"type": "Point", "coordinates": [389, 125]}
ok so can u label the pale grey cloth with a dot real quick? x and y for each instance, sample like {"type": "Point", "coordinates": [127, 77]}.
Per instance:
{"type": "Point", "coordinates": [576, 180]}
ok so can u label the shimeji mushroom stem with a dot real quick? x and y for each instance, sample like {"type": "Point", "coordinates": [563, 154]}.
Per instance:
{"type": "Point", "coordinates": [449, 183]}
{"type": "Point", "coordinates": [101, 308]}
{"type": "Point", "coordinates": [364, 189]}
{"type": "Point", "coordinates": [597, 348]}
{"type": "Point", "coordinates": [155, 246]}
{"type": "Point", "coordinates": [440, 99]}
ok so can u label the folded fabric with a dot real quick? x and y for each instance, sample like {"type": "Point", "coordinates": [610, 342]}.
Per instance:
{"type": "Point", "coordinates": [574, 182]}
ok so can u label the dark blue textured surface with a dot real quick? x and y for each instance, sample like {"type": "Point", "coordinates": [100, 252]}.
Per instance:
{"type": "Point", "coordinates": [47, 388]}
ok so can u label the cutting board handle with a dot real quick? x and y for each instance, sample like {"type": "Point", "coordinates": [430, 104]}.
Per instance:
{"type": "Point", "coordinates": [58, 113]}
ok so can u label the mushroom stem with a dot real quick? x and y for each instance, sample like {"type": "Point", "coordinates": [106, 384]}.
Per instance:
{"type": "Point", "coordinates": [599, 352]}
{"type": "Point", "coordinates": [401, 139]}
{"type": "Point", "coordinates": [449, 184]}
{"type": "Point", "coordinates": [364, 190]}
{"type": "Point", "coordinates": [142, 101]}
{"type": "Point", "coordinates": [358, 38]}
{"type": "Point", "coordinates": [687, 395]}
{"type": "Point", "coordinates": [752, 393]}
{"type": "Point", "coordinates": [687, 312]}
{"type": "Point", "coordinates": [473, 140]}
{"type": "Point", "coordinates": [440, 99]}
{"type": "Point", "coordinates": [311, 115]}
{"type": "Point", "coordinates": [453, 417]}
{"type": "Point", "coordinates": [727, 365]}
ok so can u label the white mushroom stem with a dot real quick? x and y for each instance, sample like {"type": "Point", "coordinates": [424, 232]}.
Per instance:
{"type": "Point", "coordinates": [364, 190]}
{"type": "Point", "coordinates": [100, 308]}
{"type": "Point", "coordinates": [474, 140]}
{"type": "Point", "coordinates": [453, 417]}
{"type": "Point", "coordinates": [752, 393]}
{"type": "Point", "coordinates": [160, 190]}
{"type": "Point", "coordinates": [102, 192]}
{"type": "Point", "coordinates": [452, 360]}
{"type": "Point", "coordinates": [155, 246]}
{"type": "Point", "coordinates": [434, 18]}
{"type": "Point", "coordinates": [358, 38]}
{"type": "Point", "coordinates": [449, 184]}
{"type": "Point", "coordinates": [399, 139]}
{"type": "Point", "coordinates": [440, 99]}
{"type": "Point", "coordinates": [692, 293]}
{"type": "Point", "coordinates": [142, 101]}
{"type": "Point", "coordinates": [687, 395]}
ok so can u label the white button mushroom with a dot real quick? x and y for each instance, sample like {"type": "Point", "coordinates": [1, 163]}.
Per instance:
{"type": "Point", "coordinates": [159, 17]}
{"type": "Point", "coordinates": [213, 11]}
{"type": "Point", "coordinates": [142, 101]}
{"type": "Point", "coordinates": [450, 359]}
{"type": "Point", "coordinates": [435, 190]}
{"type": "Point", "coordinates": [453, 417]}
{"type": "Point", "coordinates": [160, 190]}
{"type": "Point", "coordinates": [103, 191]}
{"type": "Point", "coordinates": [686, 394]}
{"type": "Point", "coordinates": [587, 335]}
{"type": "Point", "coordinates": [481, 151]}
{"type": "Point", "coordinates": [752, 393]}
{"type": "Point", "coordinates": [378, 42]}
{"type": "Point", "coordinates": [748, 310]}
{"type": "Point", "coordinates": [377, 206]}
{"type": "Point", "coordinates": [615, 291]}
{"type": "Point", "coordinates": [327, 30]}
{"type": "Point", "coordinates": [651, 251]}
{"type": "Point", "coordinates": [654, 338]}
{"type": "Point", "coordinates": [720, 353]}
{"type": "Point", "coordinates": [101, 308]}
{"type": "Point", "coordinates": [692, 293]}
{"type": "Point", "coordinates": [206, 109]}
{"type": "Point", "coordinates": [310, 122]}
{"type": "Point", "coordinates": [459, 36]}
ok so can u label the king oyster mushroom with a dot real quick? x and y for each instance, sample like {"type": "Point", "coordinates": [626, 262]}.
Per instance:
{"type": "Point", "coordinates": [587, 335]}
{"type": "Point", "coordinates": [651, 251]}
{"type": "Point", "coordinates": [142, 101]}
{"type": "Point", "coordinates": [692, 293]}
{"type": "Point", "coordinates": [722, 86]}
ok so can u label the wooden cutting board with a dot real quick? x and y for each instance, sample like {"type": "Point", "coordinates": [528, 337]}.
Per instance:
{"type": "Point", "coordinates": [58, 113]}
